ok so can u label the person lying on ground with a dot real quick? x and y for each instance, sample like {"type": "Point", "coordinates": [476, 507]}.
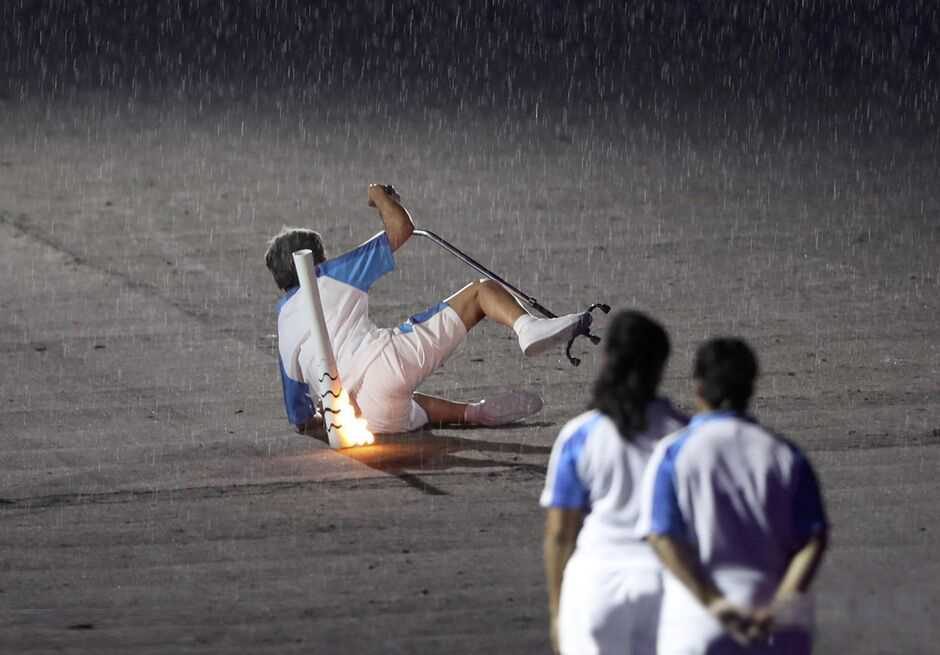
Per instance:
{"type": "Point", "coordinates": [382, 367]}
{"type": "Point", "coordinates": [735, 514]}
{"type": "Point", "coordinates": [603, 580]}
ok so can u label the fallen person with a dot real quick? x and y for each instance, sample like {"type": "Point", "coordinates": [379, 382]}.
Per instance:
{"type": "Point", "coordinates": [380, 368]}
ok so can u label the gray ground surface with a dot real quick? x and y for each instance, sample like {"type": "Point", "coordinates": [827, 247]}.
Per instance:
{"type": "Point", "coordinates": [154, 498]}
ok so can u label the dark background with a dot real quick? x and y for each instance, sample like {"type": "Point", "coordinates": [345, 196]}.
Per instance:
{"type": "Point", "coordinates": [882, 56]}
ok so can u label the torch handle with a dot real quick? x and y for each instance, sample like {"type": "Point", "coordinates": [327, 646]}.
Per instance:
{"type": "Point", "coordinates": [327, 383]}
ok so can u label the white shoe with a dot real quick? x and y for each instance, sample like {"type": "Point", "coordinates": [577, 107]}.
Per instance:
{"type": "Point", "coordinates": [540, 334]}
{"type": "Point", "coordinates": [504, 408]}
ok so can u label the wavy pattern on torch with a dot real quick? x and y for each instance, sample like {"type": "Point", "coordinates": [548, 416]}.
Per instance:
{"type": "Point", "coordinates": [327, 375]}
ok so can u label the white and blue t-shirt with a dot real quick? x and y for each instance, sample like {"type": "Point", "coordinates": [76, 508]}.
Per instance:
{"type": "Point", "coordinates": [592, 468]}
{"type": "Point", "coordinates": [344, 284]}
{"type": "Point", "coordinates": [744, 499]}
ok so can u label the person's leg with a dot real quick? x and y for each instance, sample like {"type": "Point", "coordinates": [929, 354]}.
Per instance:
{"type": "Point", "coordinates": [498, 410]}
{"type": "Point", "coordinates": [485, 298]}
{"type": "Point", "coordinates": [440, 410]}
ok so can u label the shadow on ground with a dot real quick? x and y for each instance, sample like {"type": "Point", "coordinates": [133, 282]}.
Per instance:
{"type": "Point", "coordinates": [404, 454]}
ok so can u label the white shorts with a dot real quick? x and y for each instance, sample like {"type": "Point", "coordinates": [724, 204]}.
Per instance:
{"type": "Point", "coordinates": [607, 606]}
{"type": "Point", "coordinates": [417, 348]}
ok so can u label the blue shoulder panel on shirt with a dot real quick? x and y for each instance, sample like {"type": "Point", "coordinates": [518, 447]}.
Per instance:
{"type": "Point", "coordinates": [296, 398]}
{"type": "Point", "coordinates": [362, 266]}
{"type": "Point", "coordinates": [666, 516]}
{"type": "Point", "coordinates": [287, 296]}
{"type": "Point", "coordinates": [809, 516]}
{"type": "Point", "coordinates": [569, 492]}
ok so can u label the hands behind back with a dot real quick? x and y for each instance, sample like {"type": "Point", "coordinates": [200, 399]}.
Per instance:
{"type": "Point", "coordinates": [743, 626]}
{"type": "Point", "coordinates": [737, 621]}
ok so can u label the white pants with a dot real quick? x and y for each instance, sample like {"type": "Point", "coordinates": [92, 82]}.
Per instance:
{"type": "Point", "coordinates": [608, 607]}
{"type": "Point", "coordinates": [417, 349]}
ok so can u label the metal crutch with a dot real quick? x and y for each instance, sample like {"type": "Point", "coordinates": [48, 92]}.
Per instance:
{"type": "Point", "coordinates": [518, 293]}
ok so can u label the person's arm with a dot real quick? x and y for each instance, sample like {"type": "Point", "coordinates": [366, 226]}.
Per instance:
{"type": "Point", "coordinates": [561, 534]}
{"type": "Point", "coordinates": [788, 606]}
{"type": "Point", "coordinates": [682, 562]}
{"type": "Point", "coordinates": [796, 580]}
{"type": "Point", "coordinates": [802, 567]}
{"type": "Point", "coordinates": [398, 225]}
{"type": "Point", "coordinates": [809, 523]}
{"type": "Point", "coordinates": [663, 525]}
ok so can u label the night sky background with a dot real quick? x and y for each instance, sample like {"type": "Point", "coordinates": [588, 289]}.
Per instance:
{"type": "Point", "coordinates": [876, 60]}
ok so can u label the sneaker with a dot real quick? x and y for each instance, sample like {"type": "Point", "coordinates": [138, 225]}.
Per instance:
{"type": "Point", "coordinates": [541, 334]}
{"type": "Point", "coordinates": [504, 408]}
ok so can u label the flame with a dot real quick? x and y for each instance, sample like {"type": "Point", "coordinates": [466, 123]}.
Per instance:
{"type": "Point", "coordinates": [354, 430]}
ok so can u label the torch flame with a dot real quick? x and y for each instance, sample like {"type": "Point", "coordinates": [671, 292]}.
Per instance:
{"type": "Point", "coordinates": [352, 429]}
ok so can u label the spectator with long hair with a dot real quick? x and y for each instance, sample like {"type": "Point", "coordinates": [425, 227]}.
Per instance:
{"type": "Point", "coordinates": [603, 581]}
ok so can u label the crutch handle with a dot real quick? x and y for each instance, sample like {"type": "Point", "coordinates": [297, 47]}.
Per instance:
{"type": "Point", "coordinates": [575, 361]}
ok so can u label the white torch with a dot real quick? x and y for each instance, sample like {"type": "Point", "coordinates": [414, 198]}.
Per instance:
{"type": "Point", "coordinates": [343, 427]}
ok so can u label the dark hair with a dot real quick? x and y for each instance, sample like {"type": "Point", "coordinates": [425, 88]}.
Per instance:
{"type": "Point", "coordinates": [725, 369]}
{"type": "Point", "coordinates": [279, 257]}
{"type": "Point", "coordinates": [636, 349]}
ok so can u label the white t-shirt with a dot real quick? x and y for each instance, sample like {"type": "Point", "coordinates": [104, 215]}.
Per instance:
{"type": "Point", "coordinates": [344, 284]}
{"type": "Point", "coordinates": [744, 499]}
{"type": "Point", "coordinates": [594, 469]}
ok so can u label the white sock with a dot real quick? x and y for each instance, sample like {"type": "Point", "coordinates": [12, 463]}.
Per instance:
{"type": "Point", "coordinates": [522, 322]}
{"type": "Point", "coordinates": [473, 413]}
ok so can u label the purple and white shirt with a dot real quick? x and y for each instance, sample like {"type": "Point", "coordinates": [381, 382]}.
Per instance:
{"type": "Point", "coordinates": [744, 499]}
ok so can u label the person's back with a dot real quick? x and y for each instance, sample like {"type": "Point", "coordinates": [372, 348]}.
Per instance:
{"type": "Point", "coordinates": [740, 487]}
{"type": "Point", "coordinates": [742, 480]}
{"type": "Point", "coordinates": [735, 514]}
{"type": "Point", "coordinates": [609, 471]}
{"type": "Point", "coordinates": [604, 582]}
